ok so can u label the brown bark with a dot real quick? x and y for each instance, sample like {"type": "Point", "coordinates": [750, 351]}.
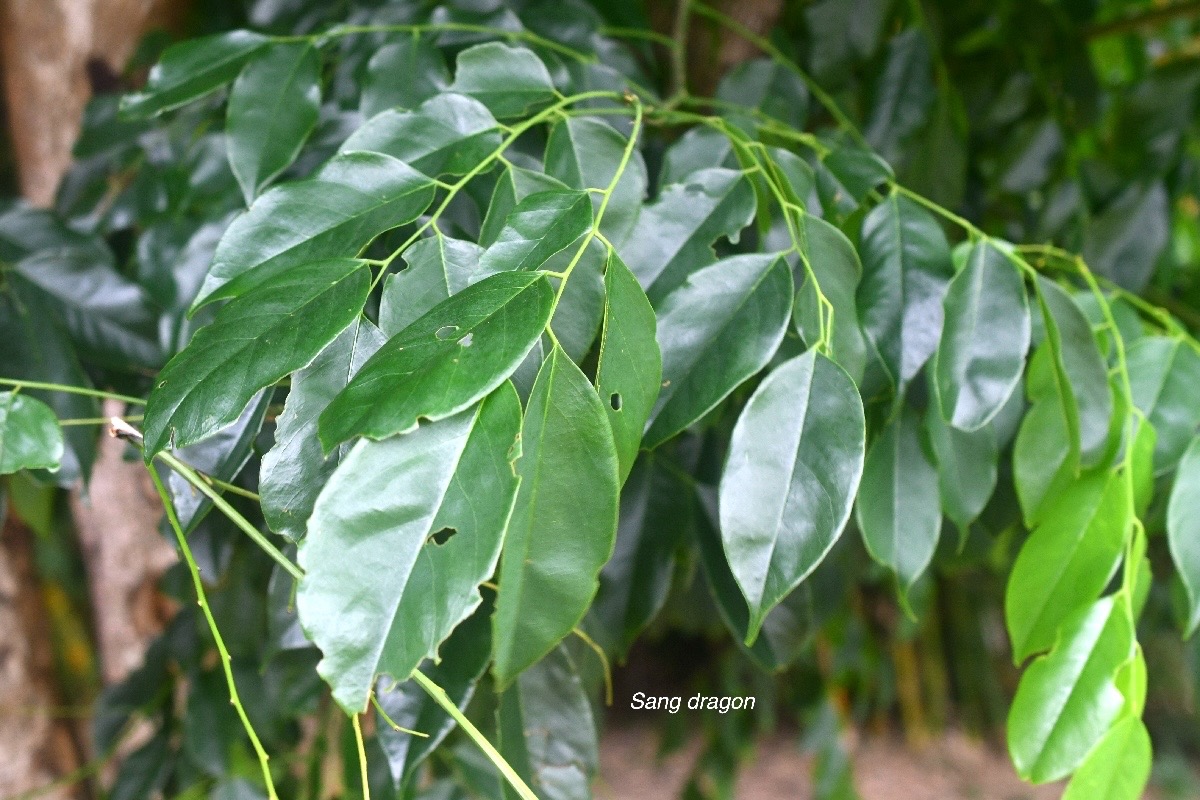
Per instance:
{"type": "Point", "coordinates": [36, 747]}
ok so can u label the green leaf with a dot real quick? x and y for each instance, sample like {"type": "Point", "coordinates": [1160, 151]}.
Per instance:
{"type": "Point", "coordinates": [514, 185]}
{"type": "Point", "coordinates": [984, 339]}
{"type": "Point", "coordinates": [1125, 240]}
{"type": "Point", "coordinates": [1067, 699]}
{"type": "Point", "coordinates": [906, 267]}
{"type": "Point", "coordinates": [464, 657]}
{"type": "Point", "coordinates": [1084, 367]}
{"type": "Point", "coordinates": [29, 434]}
{"type": "Point", "coordinates": [273, 107]}
{"type": "Point", "coordinates": [673, 236]}
{"type": "Point", "coordinates": [403, 73]}
{"type": "Point", "coordinates": [438, 267]}
{"type": "Point", "coordinates": [508, 80]}
{"type": "Point", "coordinates": [547, 731]}
{"type": "Point", "coordinates": [399, 541]}
{"type": "Point", "coordinates": [900, 517]}
{"type": "Point", "coordinates": [294, 470]}
{"type": "Point", "coordinates": [560, 536]}
{"type": "Point", "coordinates": [629, 373]}
{"type": "Point", "coordinates": [1067, 561]}
{"type": "Point", "coordinates": [656, 512]}
{"type": "Point", "coordinates": [698, 148]}
{"type": "Point", "coordinates": [541, 225]}
{"type": "Point", "coordinates": [584, 153]}
{"type": "Point", "coordinates": [252, 342]}
{"type": "Point", "coordinates": [1183, 529]}
{"type": "Point", "coordinates": [1164, 374]}
{"type": "Point", "coordinates": [189, 70]}
{"type": "Point", "coordinates": [903, 94]}
{"type": "Point", "coordinates": [768, 86]}
{"type": "Point", "coordinates": [445, 361]}
{"type": "Point", "coordinates": [347, 203]}
{"type": "Point", "coordinates": [847, 176]}
{"type": "Point", "coordinates": [837, 269]}
{"type": "Point", "coordinates": [1118, 768]}
{"type": "Point", "coordinates": [718, 329]}
{"type": "Point", "coordinates": [967, 467]}
{"type": "Point", "coordinates": [793, 468]}
{"type": "Point", "coordinates": [447, 134]}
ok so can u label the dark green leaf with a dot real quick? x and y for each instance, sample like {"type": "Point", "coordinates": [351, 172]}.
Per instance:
{"type": "Point", "coordinates": [698, 148]}
{"type": "Point", "coordinates": [547, 731]}
{"type": "Point", "coordinates": [966, 465]}
{"type": "Point", "coordinates": [447, 134]}
{"type": "Point", "coordinates": [847, 176]}
{"type": "Point", "coordinates": [508, 80]}
{"type": "Point", "coordinates": [295, 469]}
{"type": "Point", "coordinates": [794, 464]}
{"type": "Point", "coordinates": [350, 201]}
{"type": "Point", "coordinates": [514, 185]}
{"type": "Point", "coordinates": [1125, 241]}
{"type": "Point", "coordinates": [906, 267]}
{"type": "Point", "coordinates": [438, 267]}
{"type": "Point", "coordinates": [1067, 699]}
{"type": "Point", "coordinates": [403, 73]}
{"type": "Point", "coordinates": [673, 236]}
{"type": "Point", "coordinates": [253, 342]}
{"type": "Point", "coordinates": [767, 86]}
{"type": "Point", "coordinates": [382, 587]}
{"type": "Point", "coordinates": [464, 657]}
{"type": "Point", "coordinates": [1046, 451]}
{"type": "Point", "coordinates": [584, 153]}
{"type": "Point", "coordinates": [1183, 529]}
{"type": "Point", "coordinates": [1067, 561]}
{"type": "Point", "coordinates": [560, 536]}
{"type": "Point", "coordinates": [904, 93]}
{"type": "Point", "coordinates": [541, 225]}
{"type": "Point", "coordinates": [273, 108]}
{"type": "Point", "coordinates": [984, 340]}
{"type": "Point", "coordinates": [718, 329]}
{"type": "Point", "coordinates": [629, 373]}
{"type": "Point", "coordinates": [837, 270]}
{"type": "Point", "coordinates": [29, 434]}
{"type": "Point", "coordinates": [900, 517]}
{"type": "Point", "coordinates": [445, 361]}
{"type": "Point", "coordinates": [189, 70]}
{"type": "Point", "coordinates": [1164, 374]}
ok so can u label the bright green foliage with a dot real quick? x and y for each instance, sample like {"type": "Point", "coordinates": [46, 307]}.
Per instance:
{"type": "Point", "coordinates": [565, 521]}
{"type": "Point", "coordinates": [29, 434]}
{"type": "Point", "coordinates": [532, 357]}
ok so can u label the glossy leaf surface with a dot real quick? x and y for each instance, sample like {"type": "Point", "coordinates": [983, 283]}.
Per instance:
{"type": "Point", "coordinates": [508, 80]}
{"type": "Point", "coordinates": [29, 434]}
{"type": "Point", "coordinates": [189, 70]}
{"type": "Point", "coordinates": [1183, 529]}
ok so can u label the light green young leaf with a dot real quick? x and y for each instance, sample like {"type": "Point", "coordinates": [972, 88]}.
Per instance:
{"type": "Point", "coordinates": [673, 236]}
{"type": "Point", "coordinates": [508, 80]}
{"type": "Point", "coordinates": [906, 269]}
{"type": "Point", "coordinates": [438, 267]}
{"type": "Point", "coordinates": [547, 731]}
{"type": "Point", "coordinates": [793, 469]}
{"type": "Point", "coordinates": [900, 517]}
{"type": "Point", "coordinates": [273, 107]}
{"type": "Point", "coordinates": [294, 470]}
{"type": "Point", "coordinates": [189, 70]}
{"type": "Point", "coordinates": [445, 361]}
{"type": "Point", "coordinates": [347, 203]}
{"type": "Point", "coordinates": [1067, 700]}
{"type": "Point", "coordinates": [1183, 529]}
{"type": "Point", "coordinates": [718, 329]}
{"type": "Point", "coordinates": [447, 134]}
{"type": "Point", "coordinates": [584, 153]}
{"type": "Point", "coordinates": [399, 541]}
{"type": "Point", "coordinates": [1067, 561]}
{"type": "Point", "coordinates": [29, 434]}
{"type": "Point", "coordinates": [629, 372]}
{"type": "Point", "coordinates": [1118, 768]}
{"type": "Point", "coordinates": [540, 225]}
{"type": "Point", "coordinates": [254, 341]}
{"type": "Point", "coordinates": [984, 339]}
{"type": "Point", "coordinates": [561, 534]}
{"type": "Point", "coordinates": [1164, 374]}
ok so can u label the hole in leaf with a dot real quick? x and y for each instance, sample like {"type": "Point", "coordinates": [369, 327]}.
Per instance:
{"type": "Point", "coordinates": [615, 401]}
{"type": "Point", "coordinates": [446, 331]}
{"type": "Point", "coordinates": [466, 340]}
{"type": "Point", "coordinates": [442, 536]}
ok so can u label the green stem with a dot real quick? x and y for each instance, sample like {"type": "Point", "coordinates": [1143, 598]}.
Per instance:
{"type": "Point", "coordinates": [66, 389]}
{"type": "Point", "coordinates": [362, 757]}
{"type": "Point", "coordinates": [226, 660]}
{"type": "Point", "coordinates": [442, 699]}
{"type": "Point", "coordinates": [679, 42]}
{"type": "Point", "coordinates": [67, 423]}
{"type": "Point", "coordinates": [392, 723]}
